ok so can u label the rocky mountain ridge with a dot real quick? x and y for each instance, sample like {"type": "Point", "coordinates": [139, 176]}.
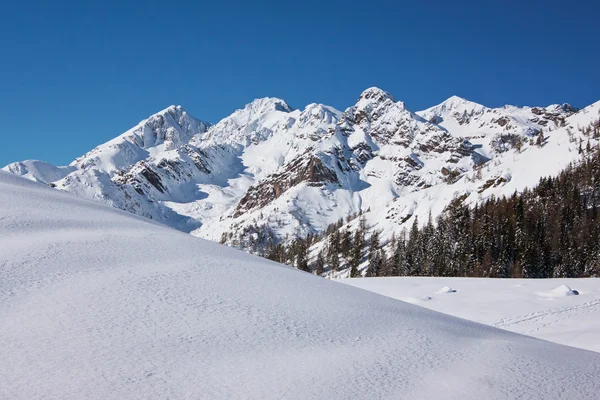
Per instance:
{"type": "Point", "coordinates": [293, 172]}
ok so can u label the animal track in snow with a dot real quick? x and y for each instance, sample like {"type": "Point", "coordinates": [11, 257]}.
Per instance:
{"type": "Point", "coordinates": [543, 319]}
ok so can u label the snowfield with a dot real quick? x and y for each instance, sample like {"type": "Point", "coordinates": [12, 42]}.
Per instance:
{"type": "Point", "coordinates": [565, 311]}
{"type": "Point", "coordinates": [96, 303]}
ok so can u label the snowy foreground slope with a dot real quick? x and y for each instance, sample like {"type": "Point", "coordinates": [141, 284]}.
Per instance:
{"type": "Point", "coordinates": [99, 304]}
{"type": "Point", "coordinates": [543, 308]}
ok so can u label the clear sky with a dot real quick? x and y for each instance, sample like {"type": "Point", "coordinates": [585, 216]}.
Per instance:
{"type": "Point", "coordinates": [74, 74]}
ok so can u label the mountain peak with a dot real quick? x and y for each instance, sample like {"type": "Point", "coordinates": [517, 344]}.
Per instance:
{"type": "Point", "coordinates": [267, 104]}
{"type": "Point", "coordinates": [561, 108]}
{"type": "Point", "coordinates": [451, 106]}
{"type": "Point", "coordinates": [251, 124]}
{"type": "Point", "coordinates": [178, 117]}
{"type": "Point", "coordinates": [172, 109]}
{"type": "Point", "coordinates": [253, 111]}
{"type": "Point", "coordinates": [376, 94]}
{"type": "Point", "coordinates": [455, 101]}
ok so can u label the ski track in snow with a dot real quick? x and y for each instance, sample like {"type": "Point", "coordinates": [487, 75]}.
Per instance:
{"type": "Point", "coordinates": [98, 304]}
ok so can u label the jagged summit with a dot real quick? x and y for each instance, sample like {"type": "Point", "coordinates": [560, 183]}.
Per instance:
{"type": "Point", "coordinates": [172, 109]}
{"type": "Point", "coordinates": [454, 107]}
{"type": "Point", "coordinates": [165, 130]}
{"type": "Point", "coordinates": [267, 104]}
{"type": "Point", "coordinates": [562, 108]}
{"type": "Point", "coordinates": [254, 110]}
{"type": "Point", "coordinates": [251, 124]}
{"type": "Point", "coordinates": [375, 94]}
{"type": "Point", "coordinates": [174, 115]}
{"type": "Point", "coordinates": [454, 99]}
{"type": "Point", "coordinates": [372, 104]}
{"type": "Point", "coordinates": [319, 113]}
{"type": "Point", "coordinates": [179, 115]}
{"type": "Point", "coordinates": [455, 103]}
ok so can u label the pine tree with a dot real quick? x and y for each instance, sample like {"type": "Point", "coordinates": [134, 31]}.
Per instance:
{"type": "Point", "coordinates": [440, 248]}
{"type": "Point", "coordinates": [413, 250]}
{"type": "Point", "coordinates": [374, 244]}
{"type": "Point", "coordinates": [358, 244]}
{"type": "Point", "coordinates": [319, 266]}
{"type": "Point", "coordinates": [333, 251]}
{"type": "Point", "coordinates": [346, 243]}
{"type": "Point", "coordinates": [426, 242]}
{"type": "Point", "coordinates": [399, 257]}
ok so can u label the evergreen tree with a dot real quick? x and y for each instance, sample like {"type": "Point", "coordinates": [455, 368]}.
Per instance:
{"type": "Point", "coordinates": [400, 267]}
{"type": "Point", "coordinates": [357, 248]}
{"type": "Point", "coordinates": [413, 250]}
{"type": "Point", "coordinates": [374, 244]}
{"type": "Point", "coordinates": [333, 251]}
{"type": "Point", "coordinates": [319, 266]}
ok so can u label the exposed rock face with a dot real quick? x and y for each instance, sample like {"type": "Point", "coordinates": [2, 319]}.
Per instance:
{"type": "Point", "coordinates": [155, 174]}
{"type": "Point", "coordinates": [308, 170]}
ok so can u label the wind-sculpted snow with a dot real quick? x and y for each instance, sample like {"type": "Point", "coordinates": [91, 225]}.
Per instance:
{"type": "Point", "coordinates": [99, 304]}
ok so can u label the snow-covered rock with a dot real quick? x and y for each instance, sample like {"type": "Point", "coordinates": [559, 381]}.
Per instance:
{"type": "Point", "coordinates": [561, 291]}
{"type": "Point", "coordinates": [446, 289]}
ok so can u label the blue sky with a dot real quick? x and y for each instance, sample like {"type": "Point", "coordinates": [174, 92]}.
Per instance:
{"type": "Point", "coordinates": [74, 74]}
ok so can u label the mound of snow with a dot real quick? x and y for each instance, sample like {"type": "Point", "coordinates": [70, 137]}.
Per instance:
{"type": "Point", "coordinates": [447, 289]}
{"type": "Point", "coordinates": [561, 291]}
{"type": "Point", "coordinates": [98, 304]}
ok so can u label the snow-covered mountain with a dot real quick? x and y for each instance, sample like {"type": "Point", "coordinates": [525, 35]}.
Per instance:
{"type": "Point", "coordinates": [293, 172]}
{"type": "Point", "coordinates": [96, 303]}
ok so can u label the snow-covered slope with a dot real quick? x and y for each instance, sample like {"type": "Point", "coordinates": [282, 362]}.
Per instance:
{"type": "Point", "coordinates": [565, 311]}
{"type": "Point", "coordinates": [291, 172]}
{"type": "Point", "coordinates": [99, 304]}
